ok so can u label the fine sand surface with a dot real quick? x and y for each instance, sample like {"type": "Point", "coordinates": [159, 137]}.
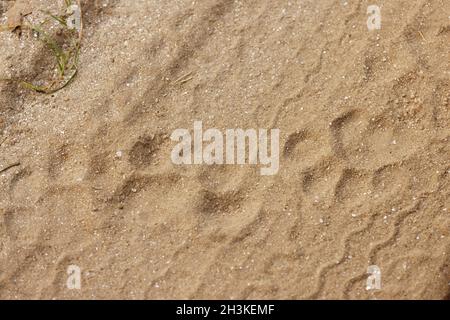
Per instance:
{"type": "Point", "coordinates": [364, 174]}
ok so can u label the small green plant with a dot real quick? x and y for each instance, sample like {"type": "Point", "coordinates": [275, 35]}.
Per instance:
{"type": "Point", "coordinates": [65, 52]}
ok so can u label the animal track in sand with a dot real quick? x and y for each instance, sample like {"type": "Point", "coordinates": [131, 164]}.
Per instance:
{"type": "Point", "coordinates": [144, 150]}
{"type": "Point", "coordinates": [353, 186]}
{"type": "Point", "coordinates": [292, 141]}
{"type": "Point", "coordinates": [339, 127]}
{"type": "Point", "coordinates": [213, 203]}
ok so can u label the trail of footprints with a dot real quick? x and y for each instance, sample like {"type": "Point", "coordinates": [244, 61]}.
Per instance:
{"type": "Point", "coordinates": [231, 226]}
{"type": "Point", "coordinates": [220, 199]}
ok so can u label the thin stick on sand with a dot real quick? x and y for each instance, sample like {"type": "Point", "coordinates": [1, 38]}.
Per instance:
{"type": "Point", "coordinates": [421, 34]}
{"type": "Point", "coordinates": [15, 164]}
{"type": "Point", "coordinates": [184, 78]}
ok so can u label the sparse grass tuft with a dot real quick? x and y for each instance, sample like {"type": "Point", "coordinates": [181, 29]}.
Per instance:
{"type": "Point", "coordinates": [65, 49]}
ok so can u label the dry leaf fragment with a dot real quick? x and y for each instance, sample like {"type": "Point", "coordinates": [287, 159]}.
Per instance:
{"type": "Point", "coordinates": [16, 14]}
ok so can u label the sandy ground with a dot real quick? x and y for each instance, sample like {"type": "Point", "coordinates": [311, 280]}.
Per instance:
{"type": "Point", "coordinates": [364, 153]}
